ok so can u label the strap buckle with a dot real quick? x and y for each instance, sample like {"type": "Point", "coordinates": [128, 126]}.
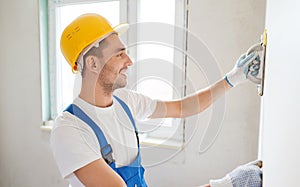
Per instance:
{"type": "Point", "coordinates": [106, 153]}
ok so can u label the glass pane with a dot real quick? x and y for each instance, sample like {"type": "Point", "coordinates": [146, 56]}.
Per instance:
{"type": "Point", "coordinates": [155, 60]}
{"type": "Point", "coordinates": [156, 89]}
{"type": "Point", "coordinates": [65, 14]}
{"type": "Point", "coordinates": [150, 57]}
{"type": "Point", "coordinates": [157, 11]}
{"type": "Point", "coordinates": [164, 13]}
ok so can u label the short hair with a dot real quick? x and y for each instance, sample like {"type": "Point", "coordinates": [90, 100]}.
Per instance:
{"type": "Point", "coordinates": [94, 51]}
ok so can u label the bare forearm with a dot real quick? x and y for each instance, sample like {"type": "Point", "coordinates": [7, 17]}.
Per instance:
{"type": "Point", "coordinates": [192, 104]}
{"type": "Point", "coordinates": [200, 101]}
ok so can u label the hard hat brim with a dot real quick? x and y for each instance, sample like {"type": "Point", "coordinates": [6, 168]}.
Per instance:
{"type": "Point", "coordinates": [121, 28]}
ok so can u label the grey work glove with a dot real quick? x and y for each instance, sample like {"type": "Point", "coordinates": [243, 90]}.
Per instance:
{"type": "Point", "coordinates": [248, 175]}
{"type": "Point", "coordinates": [246, 67]}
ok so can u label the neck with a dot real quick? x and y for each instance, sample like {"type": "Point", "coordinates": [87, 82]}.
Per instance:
{"type": "Point", "coordinates": [95, 94]}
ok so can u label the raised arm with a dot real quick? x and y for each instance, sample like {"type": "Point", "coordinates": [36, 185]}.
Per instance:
{"type": "Point", "coordinates": [246, 65]}
{"type": "Point", "coordinates": [192, 104]}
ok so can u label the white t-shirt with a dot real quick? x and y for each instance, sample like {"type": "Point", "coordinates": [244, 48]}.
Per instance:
{"type": "Point", "coordinates": [74, 143]}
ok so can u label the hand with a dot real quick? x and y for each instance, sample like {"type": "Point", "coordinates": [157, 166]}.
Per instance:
{"type": "Point", "coordinates": [246, 175]}
{"type": "Point", "coordinates": [246, 67]}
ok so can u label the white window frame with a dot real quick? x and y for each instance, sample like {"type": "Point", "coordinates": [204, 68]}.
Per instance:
{"type": "Point", "coordinates": [54, 84]}
{"type": "Point", "coordinates": [176, 133]}
{"type": "Point", "coordinates": [129, 14]}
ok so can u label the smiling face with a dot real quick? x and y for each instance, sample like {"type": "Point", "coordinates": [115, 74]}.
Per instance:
{"type": "Point", "coordinates": [114, 64]}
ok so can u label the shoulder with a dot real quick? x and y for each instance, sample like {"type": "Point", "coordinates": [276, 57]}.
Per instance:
{"type": "Point", "coordinates": [130, 97]}
{"type": "Point", "coordinates": [141, 105]}
{"type": "Point", "coordinates": [126, 94]}
{"type": "Point", "coordinates": [64, 120]}
{"type": "Point", "coordinates": [73, 143]}
{"type": "Point", "coordinates": [68, 129]}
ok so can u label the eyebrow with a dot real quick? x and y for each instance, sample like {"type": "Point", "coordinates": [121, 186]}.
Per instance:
{"type": "Point", "coordinates": [121, 49]}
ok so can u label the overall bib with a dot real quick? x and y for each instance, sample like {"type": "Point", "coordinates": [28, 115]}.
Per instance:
{"type": "Point", "coordinates": [133, 174]}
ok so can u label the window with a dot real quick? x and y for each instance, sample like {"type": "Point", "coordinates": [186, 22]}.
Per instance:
{"type": "Point", "coordinates": [159, 70]}
{"type": "Point", "coordinates": [159, 63]}
{"type": "Point", "coordinates": [61, 14]}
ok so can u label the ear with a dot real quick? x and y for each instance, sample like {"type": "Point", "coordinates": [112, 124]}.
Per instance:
{"type": "Point", "coordinates": [92, 64]}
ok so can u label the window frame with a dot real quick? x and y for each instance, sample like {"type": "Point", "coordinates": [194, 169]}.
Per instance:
{"type": "Point", "coordinates": [180, 60]}
{"type": "Point", "coordinates": [128, 13]}
{"type": "Point", "coordinates": [52, 67]}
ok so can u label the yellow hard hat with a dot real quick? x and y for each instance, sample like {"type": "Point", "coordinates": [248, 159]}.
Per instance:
{"type": "Point", "coordinates": [82, 32]}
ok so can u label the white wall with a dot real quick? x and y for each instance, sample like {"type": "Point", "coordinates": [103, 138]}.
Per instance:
{"type": "Point", "coordinates": [227, 27]}
{"type": "Point", "coordinates": [280, 124]}
{"type": "Point", "coordinates": [25, 155]}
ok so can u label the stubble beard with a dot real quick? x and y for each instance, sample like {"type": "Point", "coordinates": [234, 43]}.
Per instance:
{"type": "Point", "coordinates": [109, 87]}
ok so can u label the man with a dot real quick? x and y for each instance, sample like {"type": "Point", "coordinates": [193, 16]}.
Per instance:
{"type": "Point", "coordinates": [95, 140]}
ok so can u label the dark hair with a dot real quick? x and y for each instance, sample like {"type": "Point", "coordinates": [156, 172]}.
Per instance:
{"type": "Point", "coordinates": [94, 51]}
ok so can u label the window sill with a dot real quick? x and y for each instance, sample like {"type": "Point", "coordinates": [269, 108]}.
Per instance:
{"type": "Point", "coordinates": [47, 126]}
{"type": "Point", "coordinates": [144, 140]}
{"type": "Point", "coordinates": [160, 142]}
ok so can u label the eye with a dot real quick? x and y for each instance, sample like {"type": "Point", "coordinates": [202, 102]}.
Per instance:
{"type": "Point", "coordinates": [120, 54]}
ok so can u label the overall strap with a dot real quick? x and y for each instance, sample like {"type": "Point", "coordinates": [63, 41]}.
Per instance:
{"type": "Point", "coordinates": [106, 150]}
{"type": "Point", "coordinates": [129, 114]}
{"type": "Point", "coordinates": [127, 110]}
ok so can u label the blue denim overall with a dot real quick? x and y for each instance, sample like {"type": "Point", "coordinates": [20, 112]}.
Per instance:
{"type": "Point", "coordinates": [133, 174]}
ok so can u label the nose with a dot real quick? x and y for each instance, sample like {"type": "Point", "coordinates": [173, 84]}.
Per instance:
{"type": "Point", "coordinates": [128, 60]}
